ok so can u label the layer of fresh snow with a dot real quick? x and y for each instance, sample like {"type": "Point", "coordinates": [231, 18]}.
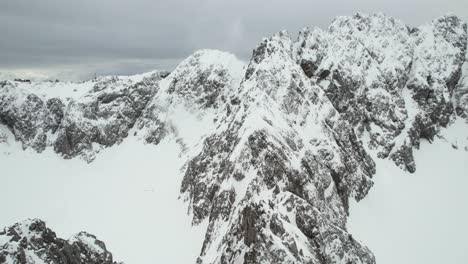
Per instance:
{"type": "Point", "coordinates": [421, 217]}
{"type": "Point", "coordinates": [74, 90]}
{"type": "Point", "coordinates": [88, 241]}
{"type": "Point", "coordinates": [62, 90]}
{"type": "Point", "coordinates": [127, 197]}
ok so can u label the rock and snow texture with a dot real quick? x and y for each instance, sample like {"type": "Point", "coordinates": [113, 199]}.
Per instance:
{"type": "Point", "coordinates": [395, 83]}
{"type": "Point", "coordinates": [95, 115]}
{"type": "Point", "coordinates": [127, 197]}
{"type": "Point", "coordinates": [419, 218]}
{"type": "Point", "coordinates": [280, 168]}
{"type": "Point", "coordinates": [273, 150]}
{"type": "Point", "coordinates": [192, 99]}
{"type": "Point", "coordinates": [30, 241]}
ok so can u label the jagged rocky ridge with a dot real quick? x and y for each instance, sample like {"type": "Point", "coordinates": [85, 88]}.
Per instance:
{"type": "Point", "coordinates": [396, 83]}
{"type": "Point", "coordinates": [31, 241]}
{"type": "Point", "coordinates": [280, 145]}
{"type": "Point", "coordinates": [78, 126]}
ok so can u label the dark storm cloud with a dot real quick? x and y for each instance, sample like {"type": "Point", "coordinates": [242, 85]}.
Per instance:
{"type": "Point", "coordinates": [88, 35]}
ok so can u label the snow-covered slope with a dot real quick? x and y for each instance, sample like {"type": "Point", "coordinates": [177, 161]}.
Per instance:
{"type": "Point", "coordinates": [265, 157]}
{"type": "Point", "coordinates": [192, 99]}
{"type": "Point", "coordinates": [127, 197]}
{"type": "Point", "coordinates": [419, 218]}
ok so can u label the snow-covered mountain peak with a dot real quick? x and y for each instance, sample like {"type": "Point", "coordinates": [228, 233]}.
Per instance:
{"type": "Point", "coordinates": [379, 74]}
{"type": "Point", "coordinates": [269, 68]}
{"type": "Point", "coordinates": [272, 47]}
{"type": "Point", "coordinates": [450, 26]}
{"type": "Point", "coordinates": [193, 99]}
{"type": "Point", "coordinates": [204, 77]}
{"type": "Point", "coordinates": [362, 22]}
{"type": "Point", "coordinates": [440, 49]}
{"type": "Point", "coordinates": [209, 58]}
{"type": "Point", "coordinates": [274, 150]}
{"type": "Point", "coordinates": [284, 130]}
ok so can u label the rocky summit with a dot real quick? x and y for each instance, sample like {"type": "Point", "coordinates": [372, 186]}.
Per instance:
{"type": "Point", "coordinates": [31, 241]}
{"type": "Point", "coordinates": [275, 148]}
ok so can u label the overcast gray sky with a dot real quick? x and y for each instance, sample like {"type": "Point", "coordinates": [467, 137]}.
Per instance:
{"type": "Point", "coordinates": [74, 39]}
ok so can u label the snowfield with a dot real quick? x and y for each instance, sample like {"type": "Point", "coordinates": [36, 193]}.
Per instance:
{"type": "Point", "coordinates": [128, 197]}
{"type": "Point", "coordinates": [421, 217]}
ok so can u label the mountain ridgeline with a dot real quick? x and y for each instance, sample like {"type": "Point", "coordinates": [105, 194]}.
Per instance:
{"type": "Point", "coordinates": [278, 145]}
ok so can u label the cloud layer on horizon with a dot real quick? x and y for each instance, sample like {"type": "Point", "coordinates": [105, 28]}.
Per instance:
{"type": "Point", "coordinates": [75, 39]}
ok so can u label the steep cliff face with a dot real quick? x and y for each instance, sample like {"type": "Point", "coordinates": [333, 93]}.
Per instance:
{"type": "Point", "coordinates": [280, 168]}
{"type": "Point", "coordinates": [460, 94]}
{"type": "Point", "coordinates": [274, 149]}
{"type": "Point", "coordinates": [31, 241]}
{"type": "Point", "coordinates": [395, 83]}
{"type": "Point", "coordinates": [193, 99]}
{"type": "Point", "coordinates": [76, 124]}
{"type": "Point", "coordinates": [104, 116]}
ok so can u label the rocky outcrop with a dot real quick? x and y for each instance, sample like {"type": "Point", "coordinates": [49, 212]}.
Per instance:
{"type": "Point", "coordinates": [31, 241]}
{"type": "Point", "coordinates": [295, 138]}
{"type": "Point", "coordinates": [30, 117]}
{"type": "Point", "coordinates": [104, 116]}
{"type": "Point", "coordinates": [461, 92]}
{"type": "Point", "coordinates": [388, 80]}
{"type": "Point", "coordinates": [79, 126]}
{"type": "Point", "coordinates": [284, 158]}
{"type": "Point", "coordinates": [202, 88]}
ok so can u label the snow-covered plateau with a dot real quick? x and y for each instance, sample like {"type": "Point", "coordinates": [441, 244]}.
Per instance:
{"type": "Point", "coordinates": [346, 145]}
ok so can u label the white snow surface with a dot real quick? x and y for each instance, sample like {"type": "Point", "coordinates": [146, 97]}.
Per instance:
{"type": "Point", "coordinates": [127, 197]}
{"type": "Point", "coordinates": [421, 217]}
{"type": "Point", "coordinates": [74, 90]}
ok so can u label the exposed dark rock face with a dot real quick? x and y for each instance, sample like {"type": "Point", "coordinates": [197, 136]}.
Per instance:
{"type": "Point", "coordinates": [3, 136]}
{"type": "Point", "coordinates": [29, 117]}
{"type": "Point", "coordinates": [460, 94]}
{"type": "Point", "coordinates": [31, 241]}
{"type": "Point", "coordinates": [398, 85]}
{"type": "Point", "coordinates": [205, 83]}
{"type": "Point", "coordinates": [294, 151]}
{"type": "Point", "coordinates": [77, 127]}
{"type": "Point", "coordinates": [105, 117]}
{"type": "Point", "coordinates": [308, 67]}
